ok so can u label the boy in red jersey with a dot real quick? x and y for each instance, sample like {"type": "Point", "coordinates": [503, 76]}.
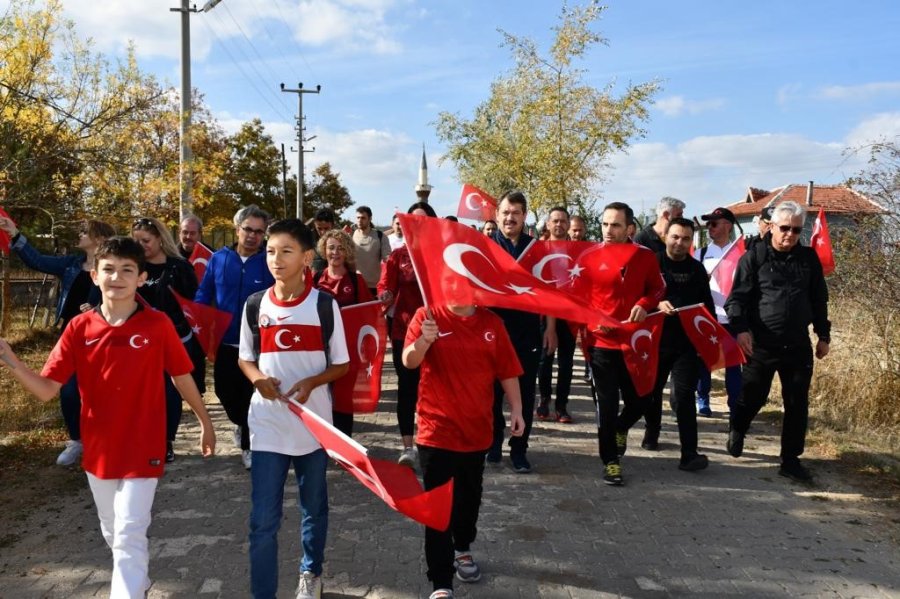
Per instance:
{"type": "Point", "coordinates": [462, 350]}
{"type": "Point", "coordinates": [118, 352]}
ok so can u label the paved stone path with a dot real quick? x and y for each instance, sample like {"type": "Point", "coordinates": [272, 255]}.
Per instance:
{"type": "Point", "coordinates": [737, 529]}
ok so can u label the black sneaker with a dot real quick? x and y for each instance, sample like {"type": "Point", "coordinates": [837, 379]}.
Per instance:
{"type": "Point", "coordinates": [170, 453]}
{"type": "Point", "coordinates": [520, 464]}
{"type": "Point", "coordinates": [621, 443]}
{"type": "Point", "coordinates": [612, 474]}
{"type": "Point", "coordinates": [543, 409]}
{"type": "Point", "coordinates": [794, 470]}
{"type": "Point", "coordinates": [735, 443]}
{"type": "Point", "coordinates": [698, 461]}
{"type": "Point", "coordinates": [494, 456]}
{"type": "Point", "coordinates": [650, 443]}
{"type": "Point", "coordinates": [563, 416]}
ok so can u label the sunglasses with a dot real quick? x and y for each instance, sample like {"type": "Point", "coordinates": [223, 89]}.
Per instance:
{"type": "Point", "coordinates": [252, 231]}
{"type": "Point", "coordinates": [143, 223]}
{"type": "Point", "coordinates": [794, 230]}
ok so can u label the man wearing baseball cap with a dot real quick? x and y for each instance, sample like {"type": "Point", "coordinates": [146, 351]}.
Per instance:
{"type": "Point", "coordinates": [763, 223]}
{"type": "Point", "coordinates": [720, 224]}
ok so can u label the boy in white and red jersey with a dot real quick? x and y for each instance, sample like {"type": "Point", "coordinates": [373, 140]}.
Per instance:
{"type": "Point", "coordinates": [119, 351]}
{"type": "Point", "coordinates": [462, 351]}
{"type": "Point", "coordinates": [285, 355]}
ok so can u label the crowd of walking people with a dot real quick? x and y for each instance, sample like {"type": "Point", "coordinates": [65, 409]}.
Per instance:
{"type": "Point", "coordinates": [127, 357]}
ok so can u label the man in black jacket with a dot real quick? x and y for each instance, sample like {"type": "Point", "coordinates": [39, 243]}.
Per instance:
{"type": "Point", "coordinates": [686, 284]}
{"type": "Point", "coordinates": [779, 290]}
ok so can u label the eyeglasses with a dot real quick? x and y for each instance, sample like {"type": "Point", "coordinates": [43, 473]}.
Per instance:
{"type": "Point", "coordinates": [143, 223]}
{"type": "Point", "coordinates": [713, 223]}
{"type": "Point", "coordinates": [794, 230]}
{"type": "Point", "coordinates": [252, 231]}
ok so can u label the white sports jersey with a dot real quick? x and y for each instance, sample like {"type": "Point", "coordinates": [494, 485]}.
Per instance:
{"type": "Point", "coordinates": [291, 349]}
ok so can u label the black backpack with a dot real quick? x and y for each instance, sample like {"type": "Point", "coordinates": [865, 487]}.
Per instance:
{"type": "Point", "coordinates": [324, 307]}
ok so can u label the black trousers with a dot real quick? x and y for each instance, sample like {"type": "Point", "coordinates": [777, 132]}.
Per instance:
{"type": "Point", "coordinates": [467, 471]}
{"type": "Point", "coordinates": [529, 355]}
{"type": "Point", "coordinates": [566, 354]}
{"type": "Point", "coordinates": [683, 364]}
{"type": "Point", "coordinates": [343, 422]}
{"type": "Point", "coordinates": [610, 379]}
{"type": "Point", "coordinates": [233, 389]}
{"type": "Point", "coordinates": [407, 390]}
{"type": "Point", "coordinates": [794, 366]}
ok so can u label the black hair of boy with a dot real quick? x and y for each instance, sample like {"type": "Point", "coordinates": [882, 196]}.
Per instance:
{"type": "Point", "coordinates": [429, 211]}
{"type": "Point", "coordinates": [121, 247]}
{"type": "Point", "coordinates": [295, 228]}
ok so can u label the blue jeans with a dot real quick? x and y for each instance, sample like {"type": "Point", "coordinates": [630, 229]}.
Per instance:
{"type": "Point", "coordinates": [70, 404]}
{"type": "Point", "coordinates": [267, 479]}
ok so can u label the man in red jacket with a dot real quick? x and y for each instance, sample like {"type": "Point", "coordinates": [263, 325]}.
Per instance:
{"type": "Point", "coordinates": [622, 279]}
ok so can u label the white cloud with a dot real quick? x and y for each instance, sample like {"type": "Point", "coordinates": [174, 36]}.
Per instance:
{"type": "Point", "coordinates": [711, 171]}
{"type": "Point", "coordinates": [678, 105]}
{"type": "Point", "coordinates": [861, 92]}
{"type": "Point", "coordinates": [788, 93]}
{"type": "Point", "coordinates": [879, 127]}
{"type": "Point", "coordinates": [353, 24]}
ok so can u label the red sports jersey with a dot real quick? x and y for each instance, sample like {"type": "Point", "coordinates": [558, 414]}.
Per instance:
{"type": "Point", "coordinates": [456, 389]}
{"type": "Point", "coordinates": [615, 278]}
{"type": "Point", "coordinates": [342, 289]}
{"type": "Point", "coordinates": [120, 377]}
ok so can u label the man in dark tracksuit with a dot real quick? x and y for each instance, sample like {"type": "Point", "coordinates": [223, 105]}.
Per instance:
{"type": "Point", "coordinates": [686, 284]}
{"type": "Point", "coordinates": [524, 330]}
{"type": "Point", "coordinates": [779, 290]}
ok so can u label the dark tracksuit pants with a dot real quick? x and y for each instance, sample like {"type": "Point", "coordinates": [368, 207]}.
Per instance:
{"type": "Point", "coordinates": [233, 389]}
{"type": "Point", "coordinates": [794, 366]}
{"type": "Point", "coordinates": [566, 354]}
{"type": "Point", "coordinates": [682, 363]}
{"type": "Point", "coordinates": [407, 390]}
{"type": "Point", "coordinates": [528, 350]}
{"type": "Point", "coordinates": [467, 471]}
{"type": "Point", "coordinates": [610, 378]}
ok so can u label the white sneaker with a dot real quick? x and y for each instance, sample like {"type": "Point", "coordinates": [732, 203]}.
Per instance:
{"type": "Point", "coordinates": [309, 587]}
{"type": "Point", "coordinates": [408, 457]}
{"type": "Point", "coordinates": [247, 458]}
{"type": "Point", "coordinates": [236, 436]}
{"type": "Point", "coordinates": [71, 454]}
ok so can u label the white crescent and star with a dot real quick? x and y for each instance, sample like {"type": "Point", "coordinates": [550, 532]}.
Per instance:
{"type": "Point", "coordinates": [634, 339]}
{"type": "Point", "coordinates": [202, 261]}
{"type": "Point", "coordinates": [538, 268]}
{"type": "Point", "coordinates": [135, 339]}
{"type": "Point", "coordinates": [489, 336]}
{"type": "Point", "coordinates": [280, 343]}
{"type": "Point", "coordinates": [453, 254]}
{"type": "Point", "coordinates": [367, 330]}
{"type": "Point", "coordinates": [470, 196]}
{"type": "Point", "coordinates": [698, 320]}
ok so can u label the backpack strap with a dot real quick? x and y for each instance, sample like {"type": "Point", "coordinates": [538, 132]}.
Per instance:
{"type": "Point", "coordinates": [252, 312]}
{"type": "Point", "coordinates": [703, 252]}
{"type": "Point", "coordinates": [325, 309]}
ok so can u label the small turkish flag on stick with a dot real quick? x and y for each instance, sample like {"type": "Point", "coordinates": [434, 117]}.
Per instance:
{"type": "Point", "coordinates": [821, 242]}
{"type": "Point", "coordinates": [476, 204]}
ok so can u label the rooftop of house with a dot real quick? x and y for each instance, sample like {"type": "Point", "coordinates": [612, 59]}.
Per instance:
{"type": "Point", "coordinates": [833, 198]}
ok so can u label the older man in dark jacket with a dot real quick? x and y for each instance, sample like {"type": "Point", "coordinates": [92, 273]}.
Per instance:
{"type": "Point", "coordinates": [779, 290]}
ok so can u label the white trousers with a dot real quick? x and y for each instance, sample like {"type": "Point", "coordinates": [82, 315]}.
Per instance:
{"type": "Point", "coordinates": [123, 506]}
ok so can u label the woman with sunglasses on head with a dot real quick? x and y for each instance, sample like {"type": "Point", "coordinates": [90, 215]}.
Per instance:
{"type": "Point", "coordinates": [77, 293]}
{"type": "Point", "coordinates": [167, 271]}
{"type": "Point", "coordinates": [346, 285]}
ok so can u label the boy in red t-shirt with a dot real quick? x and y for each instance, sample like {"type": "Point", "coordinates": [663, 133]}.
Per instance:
{"type": "Point", "coordinates": [118, 352]}
{"type": "Point", "coordinates": [462, 351]}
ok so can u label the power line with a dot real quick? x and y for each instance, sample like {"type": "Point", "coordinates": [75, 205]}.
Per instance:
{"type": "Point", "coordinates": [285, 20]}
{"type": "Point", "coordinates": [255, 87]}
{"type": "Point", "coordinates": [287, 61]}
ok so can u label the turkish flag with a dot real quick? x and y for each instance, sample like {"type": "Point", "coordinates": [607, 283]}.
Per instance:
{"type": "Point", "coordinates": [640, 348]}
{"type": "Point", "coordinates": [553, 262]}
{"type": "Point", "coordinates": [207, 323]}
{"type": "Point", "coordinates": [396, 485]}
{"type": "Point", "coordinates": [347, 229]}
{"type": "Point", "coordinates": [476, 204]}
{"type": "Point", "coordinates": [723, 271]}
{"type": "Point", "coordinates": [199, 259]}
{"type": "Point", "coordinates": [821, 242]}
{"type": "Point", "coordinates": [4, 236]}
{"type": "Point", "coordinates": [455, 264]}
{"type": "Point", "coordinates": [366, 330]}
{"type": "Point", "coordinates": [716, 346]}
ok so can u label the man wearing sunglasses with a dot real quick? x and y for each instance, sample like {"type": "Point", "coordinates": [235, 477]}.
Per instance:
{"type": "Point", "coordinates": [779, 290]}
{"type": "Point", "coordinates": [232, 275]}
{"type": "Point", "coordinates": [720, 225]}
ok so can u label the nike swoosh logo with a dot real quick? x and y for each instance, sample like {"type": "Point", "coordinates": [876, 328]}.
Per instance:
{"type": "Point", "coordinates": [444, 334]}
{"type": "Point", "coordinates": [91, 341]}
{"type": "Point", "coordinates": [282, 317]}
{"type": "Point", "coordinates": [257, 282]}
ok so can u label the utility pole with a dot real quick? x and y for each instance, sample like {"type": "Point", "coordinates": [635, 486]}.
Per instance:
{"type": "Point", "coordinates": [300, 128]}
{"type": "Point", "coordinates": [283, 183]}
{"type": "Point", "coordinates": [185, 157]}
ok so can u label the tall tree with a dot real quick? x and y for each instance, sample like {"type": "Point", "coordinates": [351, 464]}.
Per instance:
{"type": "Point", "coordinates": [543, 129]}
{"type": "Point", "coordinates": [253, 174]}
{"type": "Point", "coordinates": [325, 190]}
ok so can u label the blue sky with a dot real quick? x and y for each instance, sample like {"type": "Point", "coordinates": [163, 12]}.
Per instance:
{"type": "Point", "coordinates": [764, 93]}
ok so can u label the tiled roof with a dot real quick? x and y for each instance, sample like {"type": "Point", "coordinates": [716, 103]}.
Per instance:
{"type": "Point", "coordinates": [834, 198]}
